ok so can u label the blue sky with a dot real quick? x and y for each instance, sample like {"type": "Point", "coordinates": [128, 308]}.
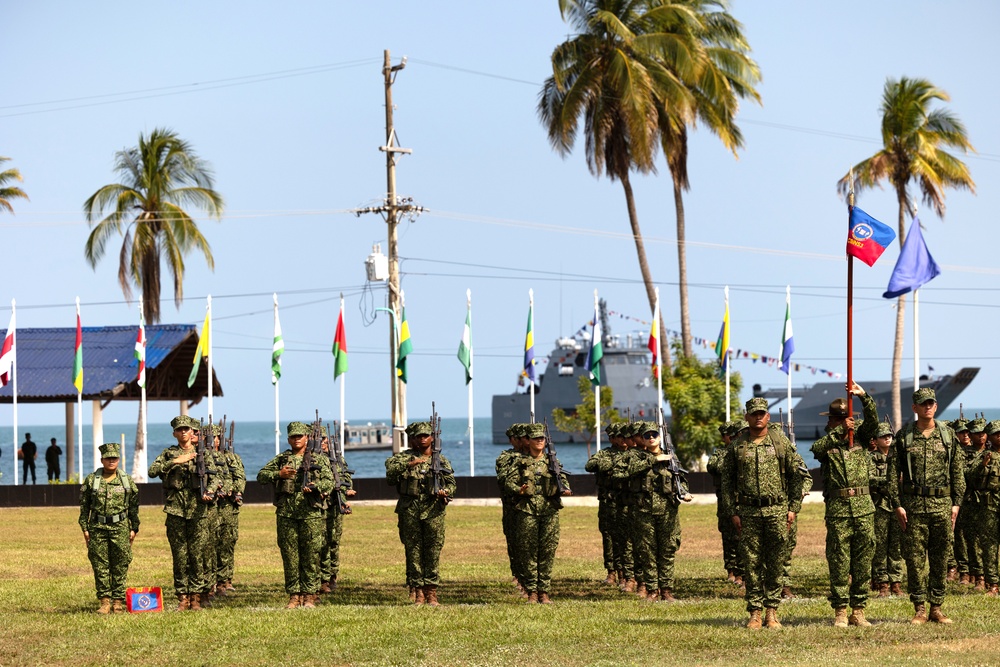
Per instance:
{"type": "Point", "coordinates": [287, 106]}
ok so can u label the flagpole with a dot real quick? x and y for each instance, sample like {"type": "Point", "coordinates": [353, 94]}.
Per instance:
{"type": "Point", "coordinates": [13, 370]}
{"type": "Point", "coordinates": [141, 466]}
{"type": "Point", "coordinates": [916, 325]}
{"type": "Point", "coordinates": [277, 422]}
{"type": "Point", "coordinates": [788, 307]}
{"type": "Point", "coordinates": [850, 316]}
{"type": "Point", "coordinates": [659, 363]}
{"type": "Point", "coordinates": [79, 410]}
{"type": "Point", "coordinates": [726, 360]}
{"type": "Point", "coordinates": [597, 387]}
{"type": "Point", "coordinates": [343, 379]}
{"type": "Point", "coordinates": [210, 377]}
{"type": "Point", "coordinates": [472, 428]}
{"type": "Point", "coordinates": [531, 327]}
{"type": "Point", "coordinates": [122, 458]}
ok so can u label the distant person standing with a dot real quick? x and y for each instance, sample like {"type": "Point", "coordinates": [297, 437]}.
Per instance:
{"type": "Point", "coordinates": [29, 451]}
{"type": "Point", "coordinates": [52, 455]}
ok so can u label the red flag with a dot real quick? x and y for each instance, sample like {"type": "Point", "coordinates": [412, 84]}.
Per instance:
{"type": "Point", "coordinates": [7, 354]}
{"type": "Point", "coordinates": [340, 348]}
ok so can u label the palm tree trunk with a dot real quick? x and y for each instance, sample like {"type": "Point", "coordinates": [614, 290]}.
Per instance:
{"type": "Point", "coordinates": [647, 278]}
{"type": "Point", "coordinates": [897, 348]}
{"type": "Point", "coordinates": [682, 279]}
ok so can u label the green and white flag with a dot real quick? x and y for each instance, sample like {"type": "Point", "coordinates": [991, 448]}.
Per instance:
{"type": "Point", "coordinates": [596, 351]}
{"type": "Point", "coordinates": [465, 347]}
{"type": "Point", "coordinates": [277, 349]}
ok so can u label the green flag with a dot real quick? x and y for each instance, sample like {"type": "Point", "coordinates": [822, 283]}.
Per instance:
{"type": "Point", "coordinates": [405, 347]}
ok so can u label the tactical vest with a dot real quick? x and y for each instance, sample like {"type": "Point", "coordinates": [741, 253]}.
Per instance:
{"type": "Point", "coordinates": [946, 440]}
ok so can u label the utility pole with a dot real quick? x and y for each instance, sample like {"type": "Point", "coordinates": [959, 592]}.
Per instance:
{"type": "Point", "coordinates": [391, 210]}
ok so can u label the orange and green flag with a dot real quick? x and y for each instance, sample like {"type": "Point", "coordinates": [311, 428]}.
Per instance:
{"type": "Point", "coordinates": [78, 353]}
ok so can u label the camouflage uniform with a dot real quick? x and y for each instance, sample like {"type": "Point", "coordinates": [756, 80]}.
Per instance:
{"type": "Point", "coordinates": [730, 540]}
{"type": "Point", "coordinates": [850, 513]}
{"type": "Point", "coordinates": [420, 513]}
{"type": "Point", "coordinates": [601, 464]}
{"type": "Point", "coordinates": [968, 559]}
{"type": "Point", "coordinates": [187, 524]}
{"type": "Point", "coordinates": [931, 470]}
{"type": "Point", "coordinates": [109, 509]}
{"type": "Point", "coordinates": [221, 488]}
{"type": "Point", "coordinates": [229, 518]}
{"type": "Point", "coordinates": [536, 516]}
{"type": "Point", "coordinates": [887, 563]}
{"type": "Point", "coordinates": [506, 500]}
{"type": "Point", "coordinates": [762, 483]}
{"type": "Point", "coordinates": [982, 502]}
{"type": "Point", "coordinates": [330, 554]}
{"type": "Point", "coordinates": [301, 516]}
{"type": "Point", "coordinates": [621, 534]}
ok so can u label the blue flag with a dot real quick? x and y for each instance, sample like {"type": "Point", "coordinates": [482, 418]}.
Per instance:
{"type": "Point", "coordinates": [914, 267]}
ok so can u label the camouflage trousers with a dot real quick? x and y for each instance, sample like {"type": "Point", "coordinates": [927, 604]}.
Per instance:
{"type": "Point", "coordinates": [329, 555]}
{"type": "Point", "coordinates": [925, 550]}
{"type": "Point", "coordinates": [763, 547]}
{"type": "Point", "coordinates": [187, 539]}
{"type": "Point", "coordinates": [621, 541]}
{"type": "Point", "coordinates": [110, 553]}
{"type": "Point", "coordinates": [963, 558]}
{"type": "Point", "coordinates": [300, 541]}
{"type": "Point", "coordinates": [982, 534]}
{"type": "Point", "coordinates": [730, 545]}
{"type": "Point", "coordinates": [605, 524]}
{"type": "Point", "coordinates": [786, 565]}
{"type": "Point", "coordinates": [229, 533]}
{"type": "Point", "coordinates": [887, 563]}
{"type": "Point", "coordinates": [212, 544]}
{"type": "Point", "coordinates": [507, 521]}
{"type": "Point", "coordinates": [422, 541]}
{"type": "Point", "coordinates": [850, 545]}
{"type": "Point", "coordinates": [537, 538]}
{"type": "Point", "coordinates": [639, 558]}
{"type": "Point", "coordinates": [660, 541]}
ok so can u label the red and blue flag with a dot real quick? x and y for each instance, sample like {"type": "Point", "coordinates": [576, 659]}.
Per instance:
{"type": "Point", "coordinates": [144, 599]}
{"type": "Point", "coordinates": [867, 238]}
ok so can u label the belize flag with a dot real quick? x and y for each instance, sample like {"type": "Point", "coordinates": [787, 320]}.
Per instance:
{"type": "Point", "coordinates": [867, 238]}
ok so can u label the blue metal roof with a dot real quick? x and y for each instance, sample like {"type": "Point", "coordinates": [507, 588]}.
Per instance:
{"type": "Point", "coordinates": [45, 360]}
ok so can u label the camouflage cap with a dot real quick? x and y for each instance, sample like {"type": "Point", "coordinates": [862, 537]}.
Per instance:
{"type": "Point", "coordinates": [612, 430]}
{"type": "Point", "coordinates": [959, 425]}
{"type": "Point", "coordinates": [756, 404]}
{"type": "Point", "coordinates": [645, 427]}
{"type": "Point", "coordinates": [838, 408]}
{"type": "Point", "coordinates": [993, 427]}
{"type": "Point", "coordinates": [738, 426]}
{"type": "Point", "coordinates": [180, 421]}
{"type": "Point", "coordinates": [724, 428]}
{"type": "Point", "coordinates": [883, 430]}
{"type": "Point", "coordinates": [214, 429]}
{"type": "Point", "coordinates": [195, 424]}
{"type": "Point", "coordinates": [977, 425]}
{"type": "Point", "coordinates": [511, 431]}
{"type": "Point", "coordinates": [534, 431]}
{"type": "Point", "coordinates": [628, 429]}
{"type": "Point", "coordinates": [298, 428]}
{"type": "Point", "coordinates": [517, 430]}
{"type": "Point", "coordinates": [419, 428]}
{"type": "Point", "coordinates": [110, 450]}
{"type": "Point", "coordinates": [923, 395]}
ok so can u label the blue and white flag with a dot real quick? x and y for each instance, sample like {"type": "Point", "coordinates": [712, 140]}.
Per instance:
{"type": "Point", "coordinates": [787, 342]}
{"type": "Point", "coordinates": [915, 266]}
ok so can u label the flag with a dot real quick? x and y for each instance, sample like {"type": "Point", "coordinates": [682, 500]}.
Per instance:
{"type": "Point", "coordinates": [915, 265]}
{"type": "Point", "coordinates": [78, 355]}
{"type": "Point", "coordinates": [405, 347]}
{"type": "Point", "coordinates": [529, 347]}
{"type": "Point", "coordinates": [787, 344]}
{"type": "Point", "coordinates": [340, 348]}
{"type": "Point", "coordinates": [465, 347]}
{"type": "Point", "coordinates": [654, 338]}
{"type": "Point", "coordinates": [595, 352]}
{"type": "Point", "coordinates": [867, 238]}
{"type": "Point", "coordinates": [722, 344]}
{"type": "Point", "coordinates": [277, 349]}
{"type": "Point", "coordinates": [201, 350]}
{"type": "Point", "coordinates": [140, 355]}
{"type": "Point", "coordinates": [7, 354]}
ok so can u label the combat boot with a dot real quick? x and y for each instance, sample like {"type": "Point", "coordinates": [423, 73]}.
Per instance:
{"type": "Point", "coordinates": [786, 593]}
{"type": "Point", "coordinates": [413, 594]}
{"type": "Point", "coordinates": [543, 598]}
{"type": "Point", "coordinates": [230, 589]}
{"type": "Point", "coordinates": [183, 603]}
{"type": "Point", "coordinates": [771, 619]}
{"type": "Point", "coordinates": [105, 607]}
{"type": "Point", "coordinates": [964, 578]}
{"type": "Point", "coordinates": [309, 601]}
{"type": "Point", "coordinates": [980, 583]}
{"type": "Point", "coordinates": [195, 599]}
{"type": "Point", "coordinates": [994, 591]}
{"type": "Point", "coordinates": [937, 616]}
{"type": "Point", "coordinates": [206, 600]}
{"type": "Point", "coordinates": [840, 619]}
{"type": "Point", "coordinates": [895, 589]}
{"type": "Point", "coordinates": [858, 618]}
{"type": "Point", "coordinates": [431, 596]}
{"type": "Point", "coordinates": [293, 601]}
{"type": "Point", "coordinates": [610, 579]}
{"type": "Point", "coordinates": [418, 597]}
{"type": "Point", "coordinates": [640, 590]}
{"type": "Point", "coordinates": [920, 615]}
{"type": "Point", "coordinates": [883, 589]}
{"type": "Point", "coordinates": [666, 595]}
{"type": "Point", "coordinates": [630, 586]}
{"type": "Point", "coordinates": [952, 574]}
{"type": "Point", "coordinates": [739, 581]}
{"type": "Point", "coordinates": [118, 606]}
{"type": "Point", "coordinates": [325, 587]}
{"type": "Point", "coordinates": [532, 597]}
{"type": "Point", "coordinates": [731, 577]}
{"type": "Point", "coordinates": [220, 590]}
{"type": "Point", "coordinates": [754, 623]}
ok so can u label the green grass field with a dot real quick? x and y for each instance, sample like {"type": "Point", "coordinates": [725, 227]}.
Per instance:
{"type": "Point", "coordinates": [47, 603]}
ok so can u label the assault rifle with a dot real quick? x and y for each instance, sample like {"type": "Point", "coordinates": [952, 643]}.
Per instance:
{"type": "Point", "coordinates": [338, 465]}
{"type": "Point", "coordinates": [200, 465]}
{"type": "Point", "coordinates": [308, 467]}
{"type": "Point", "coordinates": [555, 468]}
{"type": "Point", "coordinates": [677, 473]}
{"type": "Point", "coordinates": [229, 440]}
{"type": "Point", "coordinates": [437, 468]}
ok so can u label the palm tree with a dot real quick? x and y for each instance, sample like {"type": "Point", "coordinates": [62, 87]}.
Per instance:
{"type": "Point", "coordinates": [913, 139]}
{"type": "Point", "coordinates": [159, 177]}
{"type": "Point", "coordinates": [612, 75]}
{"type": "Point", "coordinates": [717, 70]}
{"type": "Point", "coordinates": [8, 192]}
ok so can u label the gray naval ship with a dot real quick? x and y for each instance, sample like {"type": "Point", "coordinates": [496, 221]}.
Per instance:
{"type": "Point", "coordinates": [814, 399]}
{"type": "Point", "coordinates": [625, 368]}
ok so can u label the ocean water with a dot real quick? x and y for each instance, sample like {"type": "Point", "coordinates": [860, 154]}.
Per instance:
{"type": "Point", "coordinates": [254, 442]}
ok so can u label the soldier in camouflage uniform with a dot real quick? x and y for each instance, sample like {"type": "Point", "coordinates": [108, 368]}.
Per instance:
{"type": "Point", "coordinates": [229, 513]}
{"type": "Point", "coordinates": [958, 558]}
{"type": "Point", "coordinates": [537, 501]}
{"type": "Point", "coordinates": [420, 510]}
{"type": "Point", "coordinates": [621, 538]}
{"type": "Point", "coordinates": [968, 559]}
{"type": "Point", "coordinates": [730, 560]}
{"type": "Point", "coordinates": [927, 460]}
{"type": "Point", "coordinates": [330, 554]}
{"type": "Point", "coordinates": [513, 434]}
{"type": "Point", "coordinates": [632, 441]}
{"type": "Point", "coordinates": [601, 464]}
{"type": "Point", "coordinates": [221, 487]}
{"type": "Point", "coordinates": [887, 563]}
{"type": "Point", "coordinates": [982, 502]}
{"type": "Point", "coordinates": [302, 480]}
{"type": "Point", "coordinates": [762, 485]}
{"type": "Point", "coordinates": [187, 512]}
{"type": "Point", "coordinates": [848, 473]}
{"type": "Point", "coordinates": [109, 518]}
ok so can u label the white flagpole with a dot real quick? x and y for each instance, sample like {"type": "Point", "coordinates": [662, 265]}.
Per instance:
{"type": "Point", "coordinates": [472, 428]}
{"type": "Point", "coordinates": [916, 324]}
{"type": "Point", "coordinates": [659, 362]}
{"type": "Point", "coordinates": [726, 352]}
{"type": "Point", "coordinates": [788, 304]}
{"type": "Point", "coordinates": [121, 459]}
{"type": "Point", "coordinates": [79, 411]}
{"type": "Point", "coordinates": [140, 463]}
{"type": "Point", "coordinates": [597, 387]}
{"type": "Point", "coordinates": [531, 383]}
{"type": "Point", "coordinates": [210, 337]}
{"type": "Point", "coordinates": [13, 370]}
{"type": "Point", "coordinates": [343, 379]}
{"type": "Point", "coordinates": [277, 424]}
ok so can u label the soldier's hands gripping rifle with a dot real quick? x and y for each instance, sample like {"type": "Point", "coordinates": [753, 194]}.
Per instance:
{"type": "Point", "coordinates": [337, 465]}
{"type": "Point", "coordinates": [437, 467]}
{"type": "Point", "coordinates": [200, 466]}
{"type": "Point", "coordinates": [678, 475]}
{"type": "Point", "coordinates": [555, 468]}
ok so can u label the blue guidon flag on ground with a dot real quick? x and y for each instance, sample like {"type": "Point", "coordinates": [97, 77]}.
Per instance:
{"type": "Point", "coordinates": [867, 238]}
{"type": "Point", "coordinates": [144, 599]}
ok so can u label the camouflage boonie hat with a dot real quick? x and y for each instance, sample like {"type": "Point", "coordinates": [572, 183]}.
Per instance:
{"type": "Point", "coordinates": [959, 425]}
{"type": "Point", "coordinates": [883, 430]}
{"type": "Point", "coordinates": [993, 427]}
{"type": "Point", "coordinates": [110, 450]}
{"type": "Point", "coordinates": [977, 426]}
{"type": "Point", "coordinates": [298, 428]}
{"type": "Point", "coordinates": [419, 428]}
{"type": "Point", "coordinates": [534, 431]}
{"type": "Point", "coordinates": [756, 404]}
{"type": "Point", "coordinates": [923, 394]}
